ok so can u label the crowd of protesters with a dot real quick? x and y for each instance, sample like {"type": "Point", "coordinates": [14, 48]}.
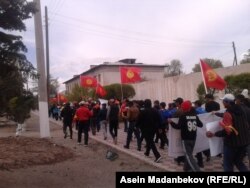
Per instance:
{"type": "Point", "coordinates": [149, 122]}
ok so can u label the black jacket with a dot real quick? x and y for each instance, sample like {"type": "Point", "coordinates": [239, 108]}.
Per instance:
{"type": "Point", "coordinates": [188, 123]}
{"type": "Point", "coordinates": [148, 120]}
{"type": "Point", "coordinates": [67, 113]}
{"type": "Point", "coordinates": [240, 124]}
{"type": "Point", "coordinates": [212, 106]}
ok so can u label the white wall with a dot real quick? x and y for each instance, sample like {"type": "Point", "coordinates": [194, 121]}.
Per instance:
{"type": "Point", "coordinates": [184, 86]}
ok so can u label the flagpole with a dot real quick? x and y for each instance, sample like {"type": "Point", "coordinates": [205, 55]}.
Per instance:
{"type": "Point", "coordinates": [57, 98]}
{"type": "Point", "coordinates": [203, 78]}
{"type": "Point", "coordinates": [95, 92]}
{"type": "Point", "coordinates": [122, 92]}
{"type": "Point", "coordinates": [121, 84]}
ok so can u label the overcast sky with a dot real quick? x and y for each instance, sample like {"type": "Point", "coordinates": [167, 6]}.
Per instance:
{"type": "Point", "coordinates": [84, 32]}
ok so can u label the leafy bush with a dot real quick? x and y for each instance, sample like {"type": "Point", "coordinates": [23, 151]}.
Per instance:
{"type": "Point", "coordinates": [20, 107]}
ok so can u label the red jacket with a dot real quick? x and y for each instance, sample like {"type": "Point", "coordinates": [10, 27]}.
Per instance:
{"type": "Point", "coordinates": [83, 114]}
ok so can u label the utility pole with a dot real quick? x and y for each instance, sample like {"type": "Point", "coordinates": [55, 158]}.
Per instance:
{"type": "Point", "coordinates": [42, 83]}
{"type": "Point", "coordinates": [235, 56]}
{"type": "Point", "coordinates": [47, 50]}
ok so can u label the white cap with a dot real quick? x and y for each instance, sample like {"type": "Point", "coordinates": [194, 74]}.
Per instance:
{"type": "Point", "coordinates": [82, 103]}
{"type": "Point", "coordinates": [228, 97]}
{"type": "Point", "coordinates": [112, 100]}
{"type": "Point", "coordinates": [245, 93]}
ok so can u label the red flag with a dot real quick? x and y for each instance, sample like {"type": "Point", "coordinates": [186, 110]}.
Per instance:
{"type": "Point", "coordinates": [61, 98]}
{"type": "Point", "coordinates": [100, 90]}
{"type": "Point", "coordinates": [212, 79]}
{"type": "Point", "coordinates": [130, 74]}
{"type": "Point", "coordinates": [88, 81]}
{"type": "Point", "coordinates": [53, 100]}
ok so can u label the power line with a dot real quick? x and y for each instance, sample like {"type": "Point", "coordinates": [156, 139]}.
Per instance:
{"type": "Point", "coordinates": [224, 54]}
{"type": "Point", "coordinates": [58, 5]}
{"type": "Point", "coordinates": [134, 39]}
{"type": "Point", "coordinates": [137, 33]}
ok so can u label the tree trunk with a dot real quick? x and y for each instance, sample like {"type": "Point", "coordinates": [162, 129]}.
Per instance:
{"type": "Point", "coordinates": [20, 128]}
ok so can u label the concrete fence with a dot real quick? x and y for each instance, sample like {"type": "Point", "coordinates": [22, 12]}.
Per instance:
{"type": "Point", "coordinates": [167, 89]}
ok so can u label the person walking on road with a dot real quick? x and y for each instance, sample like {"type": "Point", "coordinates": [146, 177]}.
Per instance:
{"type": "Point", "coordinates": [148, 122]}
{"type": "Point", "coordinates": [67, 114]}
{"type": "Point", "coordinates": [83, 115]}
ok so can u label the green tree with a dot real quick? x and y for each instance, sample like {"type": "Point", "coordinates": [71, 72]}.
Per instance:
{"type": "Point", "coordinates": [115, 91]}
{"type": "Point", "coordinates": [201, 91]}
{"type": "Point", "coordinates": [11, 85]}
{"type": "Point", "coordinates": [213, 63]}
{"type": "Point", "coordinates": [236, 83]}
{"type": "Point", "coordinates": [79, 93]}
{"type": "Point", "coordinates": [246, 58]}
{"type": "Point", "coordinates": [15, 67]}
{"type": "Point", "coordinates": [12, 50]}
{"type": "Point", "coordinates": [174, 68]}
{"type": "Point", "coordinates": [19, 107]}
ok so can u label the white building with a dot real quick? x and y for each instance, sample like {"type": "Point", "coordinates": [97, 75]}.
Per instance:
{"type": "Point", "coordinates": [109, 73]}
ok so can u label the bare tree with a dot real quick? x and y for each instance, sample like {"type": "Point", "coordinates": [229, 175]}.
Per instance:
{"type": "Point", "coordinates": [213, 63]}
{"type": "Point", "coordinates": [246, 57]}
{"type": "Point", "coordinates": [174, 68]}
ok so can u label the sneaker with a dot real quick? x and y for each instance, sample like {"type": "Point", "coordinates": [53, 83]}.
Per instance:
{"type": "Point", "coordinates": [201, 165]}
{"type": "Point", "coordinates": [85, 145]}
{"type": "Point", "coordinates": [79, 143]}
{"type": "Point", "coordinates": [125, 146]}
{"type": "Point", "coordinates": [146, 154]}
{"type": "Point", "coordinates": [157, 160]}
{"type": "Point", "coordinates": [219, 155]}
{"type": "Point", "coordinates": [208, 159]}
{"type": "Point", "coordinates": [178, 162]}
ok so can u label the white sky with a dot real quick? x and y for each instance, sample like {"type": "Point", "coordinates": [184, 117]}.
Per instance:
{"type": "Point", "coordinates": [84, 32]}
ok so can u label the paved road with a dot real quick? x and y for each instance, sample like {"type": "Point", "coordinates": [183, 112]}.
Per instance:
{"type": "Point", "coordinates": [167, 163]}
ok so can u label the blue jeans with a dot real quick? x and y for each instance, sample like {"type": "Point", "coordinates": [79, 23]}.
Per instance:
{"type": "Point", "coordinates": [234, 156]}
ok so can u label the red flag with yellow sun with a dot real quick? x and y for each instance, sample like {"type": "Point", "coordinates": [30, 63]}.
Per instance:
{"type": "Point", "coordinates": [130, 74]}
{"type": "Point", "coordinates": [100, 90]}
{"type": "Point", "coordinates": [212, 79]}
{"type": "Point", "coordinates": [88, 81]}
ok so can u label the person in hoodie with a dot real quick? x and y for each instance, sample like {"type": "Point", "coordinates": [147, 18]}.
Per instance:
{"type": "Point", "coordinates": [235, 133]}
{"type": "Point", "coordinates": [148, 121]}
{"type": "Point", "coordinates": [241, 101]}
{"type": "Point", "coordinates": [188, 123]}
{"type": "Point", "coordinates": [103, 122]}
{"type": "Point", "coordinates": [67, 114]}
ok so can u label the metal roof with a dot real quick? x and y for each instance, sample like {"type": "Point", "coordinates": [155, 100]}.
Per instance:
{"type": "Point", "coordinates": [108, 64]}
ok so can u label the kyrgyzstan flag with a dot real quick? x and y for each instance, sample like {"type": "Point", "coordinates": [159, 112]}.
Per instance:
{"type": "Point", "coordinates": [88, 81]}
{"type": "Point", "coordinates": [130, 74]}
{"type": "Point", "coordinates": [61, 98]}
{"type": "Point", "coordinates": [212, 79]}
{"type": "Point", "coordinates": [100, 90]}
